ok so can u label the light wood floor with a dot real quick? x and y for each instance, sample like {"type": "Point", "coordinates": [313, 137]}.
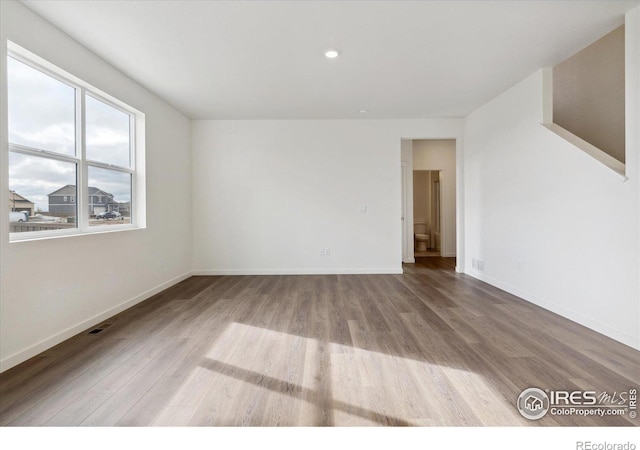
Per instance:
{"type": "Point", "coordinates": [429, 253]}
{"type": "Point", "coordinates": [430, 347]}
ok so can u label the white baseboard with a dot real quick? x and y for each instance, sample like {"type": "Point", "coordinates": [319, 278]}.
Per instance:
{"type": "Point", "coordinates": [367, 271]}
{"type": "Point", "coordinates": [577, 317]}
{"type": "Point", "coordinates": [409, 261]}
{"type": "Point", "coordinates": [449, 255]}
{"type": "Point", "coordinates": [21, 356]}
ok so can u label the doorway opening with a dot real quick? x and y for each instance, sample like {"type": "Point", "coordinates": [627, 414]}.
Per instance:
{"type": "Point", "coordinates": [429, 199]}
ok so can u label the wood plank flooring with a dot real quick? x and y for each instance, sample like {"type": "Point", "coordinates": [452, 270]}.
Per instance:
{"type": "Point", "coordinates": [427, 348]}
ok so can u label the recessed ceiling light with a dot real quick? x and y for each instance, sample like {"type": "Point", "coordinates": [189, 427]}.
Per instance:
{"type": "Point", "coordinates": [331, 53]}
{"type": "Point", "coordinates": [364, 111]}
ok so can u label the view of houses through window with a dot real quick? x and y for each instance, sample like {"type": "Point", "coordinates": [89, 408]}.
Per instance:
{"type": "Point", "coordinates": [60, 210]}
{"type": "Point", "coordinates": [52, 170]}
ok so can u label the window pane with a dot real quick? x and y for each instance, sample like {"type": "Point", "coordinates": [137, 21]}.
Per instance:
{"type": "Point", "coordinates": [39, 186]}
{"type": "Point", "coordinates": [107, 133]}
{"type": "Point", "coordinates": [41, 110]}
{"type": "Point", "coordinates": [109, 197]}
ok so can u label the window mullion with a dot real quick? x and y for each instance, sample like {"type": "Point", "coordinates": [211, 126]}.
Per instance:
{"type": "Point", "coordinates": [31, 151]}
{"type": "Point", "coordinates": [83, 184]}
{"type": "Point", "coordinates": [109, 167]}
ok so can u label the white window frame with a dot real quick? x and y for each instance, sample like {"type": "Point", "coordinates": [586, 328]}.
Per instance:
{"type": "Point", "coordinates": [136, 153]}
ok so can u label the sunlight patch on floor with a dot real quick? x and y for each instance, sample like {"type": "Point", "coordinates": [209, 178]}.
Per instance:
{"type": "Point", "coordinates": [257, 376]}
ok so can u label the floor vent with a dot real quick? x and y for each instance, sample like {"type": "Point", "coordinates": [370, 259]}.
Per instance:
{"type": "Point", "coordinates": [99, 328]}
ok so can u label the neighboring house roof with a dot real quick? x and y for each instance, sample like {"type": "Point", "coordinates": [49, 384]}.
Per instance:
{"type": "Point", "coordinates": [15, 197]}
{"type": "Point", "coordinates": [96, 191]}
{"type": "Point", "coordinates": [70, 189]}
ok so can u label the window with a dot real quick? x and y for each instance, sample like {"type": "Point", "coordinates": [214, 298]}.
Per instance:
{"type": "Point", "coordinates": [68, 140]}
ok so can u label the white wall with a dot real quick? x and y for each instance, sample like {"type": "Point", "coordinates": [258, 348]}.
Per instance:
{"type": "Point", "coordinates": [422, 197]}
{"type": "Point", "coordinates": [552, 224]}
{"type": "Point", "coordinates": [271, 194]}
{"type": "Point", "coordinates": [441, 155]}
{"type": "Point", "coordinates": [406, 152]}
{"type": "Point", "coordinates": [52, 289]}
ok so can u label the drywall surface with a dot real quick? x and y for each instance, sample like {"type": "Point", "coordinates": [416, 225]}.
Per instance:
{"type": "Point", "coordinates": [54, 288]}
{"type": "Point", "coordinates": [269, 195]}
{"type": "Point", "coordinates": [549, 223]}
{"type": "Point", "coordinates": [406, 152]}
{"type": "Point", "coordinates": [422, 197]}
{"type": "Point", "coordinates": [588, 94]}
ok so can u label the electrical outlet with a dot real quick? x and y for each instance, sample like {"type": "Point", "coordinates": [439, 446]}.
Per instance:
{"type": "Point", "coordinates": [325, 251]}
{"type": "Point", "coordinates": [481, 265]}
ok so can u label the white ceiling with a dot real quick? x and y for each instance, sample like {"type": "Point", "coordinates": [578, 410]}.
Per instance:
{"type": "Point", "coordinates": [264, 59]}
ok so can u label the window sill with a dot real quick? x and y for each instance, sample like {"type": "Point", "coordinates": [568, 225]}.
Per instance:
{"type": "Point", "coordinates": [30, 236]}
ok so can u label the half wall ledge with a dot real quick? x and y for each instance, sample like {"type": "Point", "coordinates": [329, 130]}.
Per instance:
{"type": "Point", "coordinates": [589, 149]}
